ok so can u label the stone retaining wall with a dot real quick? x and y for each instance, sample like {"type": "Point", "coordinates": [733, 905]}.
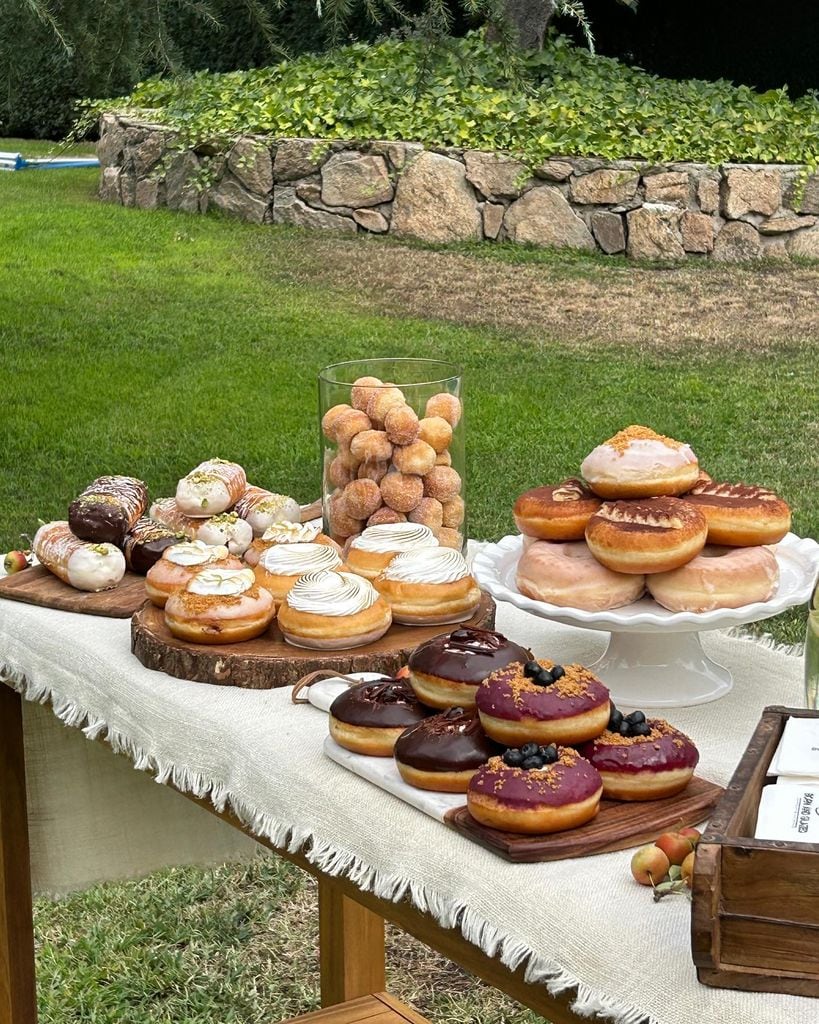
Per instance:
{"type": "Point", "coordinates": [648, 211]}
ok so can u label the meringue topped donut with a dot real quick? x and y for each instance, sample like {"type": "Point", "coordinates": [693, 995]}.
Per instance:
{"type": "Point", "coordinates": [370, 717]}
{"type": "Point", "coordinates": [372, 551]}
{"type": "Point", "coordinates": [286, 532]}
{"type": "Point", "coordinates": [219, 606]}
{"type": "Point", "coordinates": [429, 586]}
{"type": "Point", "coordinates": [227, 529]}
{"type": "Point", "coordinates": [650, 535]}
{"type": "Point", "coordinates": [280, 566]}
{"type": "Point", "coordinates": [333, 611]}
{"type": "Point", "coordinates": [570, 576]}
{"type": "Point", "coordinates": [447, 670]}
{"type": "Point", "coordinates": [542, 702]}
{"type": "Point", "coordinates": [442, 753]}
{"type": "Point", "coordinates": [262, 508]}
{"type": "Point", "coordinates": [551, 791]}
{"type": "Point", "coordinates": [180, 563]}
{"type": "Point", "coordinates": [213, 487]}
{"type": "Point", "coordinates": [740, 515]}
{"type": "Point", "coordinates": [717, 578]}
{"type": "Point", "coordinates": [641, 759]}
{"type": "Point", "coordinates": [556, 513]}
{"type": "Point", "coordinates": [638, 463]}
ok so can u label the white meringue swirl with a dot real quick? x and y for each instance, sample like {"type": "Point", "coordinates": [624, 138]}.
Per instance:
{"type": "Point", "coordinates": [285, 532]}
{"type": "Point", "coordinates": [194, 552]}
{"type": "Point", "coordinates": [331, 593]}
{"type": "Point", "coordinates": [427, 565]}
{"type": "Point", "coordinates": [388, 537]}
{"type": "Point", "coordinates": [222, 582]}
{"type": "Point", "coordinates": [296, 559]}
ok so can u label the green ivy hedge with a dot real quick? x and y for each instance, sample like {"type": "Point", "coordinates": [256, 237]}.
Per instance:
{"type": "Point", "coordinates": [466, 92]}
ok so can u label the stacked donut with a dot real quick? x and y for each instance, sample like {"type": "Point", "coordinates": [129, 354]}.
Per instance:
{"type": "Point", "coordinates": [645, 517]}
{"type": "Point", "coordinates": [391, 466]}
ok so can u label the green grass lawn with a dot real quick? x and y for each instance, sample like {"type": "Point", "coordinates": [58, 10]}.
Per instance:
{"type": "Point", "coordinates": [140, 343]}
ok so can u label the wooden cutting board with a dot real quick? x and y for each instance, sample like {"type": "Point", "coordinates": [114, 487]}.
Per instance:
{"type": "Point", "coordinates": [618, 826]}
{"type": "Point", "coordinates": [38, 586]}
{"type": "Point", "coordinates": [269, 661]}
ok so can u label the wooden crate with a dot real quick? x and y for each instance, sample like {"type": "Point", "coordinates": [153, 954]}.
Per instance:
{"type": "Point", "coordinates": [755, 919]}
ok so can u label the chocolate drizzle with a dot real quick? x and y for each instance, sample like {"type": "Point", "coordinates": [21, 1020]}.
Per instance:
{"type": "Point", "coordinates": [453, 741]}
{"type": "Point", "coordinates": [466, 655]}
{"type": "Point", "coordinates": [145, 543]}
{"type": "Point", "coordinates": [383, 703]}
{"type": "Point", "coordinates": [107, 509]}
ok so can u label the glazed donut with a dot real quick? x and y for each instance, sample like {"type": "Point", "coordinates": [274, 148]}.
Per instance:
{"type": "Point", "coordinates": [281, 565]}
{"type": "Point", "coordinates": [212, 487]}
{"type": "Point", "coordinates": [717, 578]}
{"type": "Point", "coordinates": [443, 483]}
{"type": "Point", "coordinates": [382, 400]}
{"type": "Point", "coordinates": [740, 515]}
{"type": "Point", "coordinates": [401, 424]}
{"type": "Point", "coordinates": [219, 606]}
{"type": "Point", "coordinates": [370, 717]}
{"type": "Point", "coordinates": [429, 586]}
{"type": "Point", "coordinates": [652, 535]}
{"type": "Point", "coordinates": [348, 424]}
{"type": "Point", "coordinates": [371, 446]}
{"type": "Point", "coordinates": [401, 491]}
{"type": "Point", "coordinates": [640, 759]}
{"type": "Point", "coordinates": [362, 498]}
{"type": "Point", "coordinates": [362, 391]}
{"type": "Point", "coordinates": [180, 563]}
{"type": "Point", "coordinates": [262, 508]}
{"type": "Point", "coordinates": [333, 611]}
{"type": "Point", "coordinates": [437, 432]}
{"type": "Point", "coordinates": [551, 791]}
{"type": "Point", "coordinates": [556, 513]}
{"type": "Point", "coordinates": [568, 575]}
{"type": "Point", "coordinates": [430, 512]}
{"type": "Point", "coordinates": [371, 553]}
{"type": "Point", "coordinates": [541, 702]}
{"type": "Point", "coordinates": [330, 418]}
{"type": "Point", "coordinates": [452, 512]}
{"type": "Point", "coordinates": [287, 533]}
{"type": "Point", "coordinates": [447, 406]}
{"type": "Point", "coordinates": [638, 463]}
{"type": "Point", "coordinates": [446, 671]}
{"type": "Point", "coordinates": [442, 753]}
{"type": "Point", "coordinates": [417, 458]}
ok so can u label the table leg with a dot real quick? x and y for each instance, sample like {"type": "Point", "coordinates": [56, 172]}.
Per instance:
{"type": "Point", "coordinates": [351, 947]}
{"type": "Point", "coordinates": [18, 998]}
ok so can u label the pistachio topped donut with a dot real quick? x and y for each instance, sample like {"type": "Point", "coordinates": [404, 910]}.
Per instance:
{"type": "Point", "coordinates": [542, 702]}
{"type": "Point", "coordinates": [281, 565]}
{"type": "Point", "coordinates": [372, 551]}
{"type": "Point", "coordinates": [639, 463]}
{"type": "Point", "coordinates": [740, 515]}
{"type": "Point", "coordinates": [443, 752]}
{"type": "Point", "coordinates": [370, 717]}
{"type": "Point", "coordinates": [229, 529]}
{"type": "Point", "coordinates": [180, 563]}
{"type": "Point", "coordinates": [650, 535]}
{"type": "Point", "coordinates": [549, 790]}
{"type": "Point", "coordinates": [219, 606]}
{"type": "Point", "coordinates": [559, 512]}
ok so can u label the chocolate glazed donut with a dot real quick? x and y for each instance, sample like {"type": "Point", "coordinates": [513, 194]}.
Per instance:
{"type": "Point", "coordinates": [370, 717]}
{"type": "Point", "coordinates": [442, 753]}
{"type": "Point", "coordinates": [107, 509]}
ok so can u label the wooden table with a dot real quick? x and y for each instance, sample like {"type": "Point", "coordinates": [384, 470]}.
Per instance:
{"type": "Point", "coordinates": [351, 922]}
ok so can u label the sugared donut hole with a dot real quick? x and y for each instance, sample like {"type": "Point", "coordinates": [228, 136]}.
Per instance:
{"type": "Point", "coordinates": [386, 515]}
{"type": "Point", "coordinates": [448, 538]}
{"type": "Point", "coordinates": [402, 492]}
{"type": "Point", "coordinates": [362, 498]}
{"type": "Point", "coordinates": [382, 401]}
{"type": "Point", "coordinates": [446, 406]}
{"type": "Point", "coordinates": [417, 458]}
{"type": "Point", "coordinates": [443, 483]}
{"type": "Point", "coordinates": [330, 418]}
{"type": "Point", "coordinates": [373, 471]}
{"type": "Point", "coordinates": [401, 424]}
{"type": "Point", "coordinates": [453, 512]}
{"type": "Point", "coordinates": [428, 511]}
{"type": "Point", "coordinates": [339, 474]}
{"type": "Point", "coordinates": [362, 391]}
{"type": "Point", "coordinates": [350, 423]}
{"type": "Point", "coordinates": [371, 446]}
{"type": "Point", "coordinates": [436, 431]}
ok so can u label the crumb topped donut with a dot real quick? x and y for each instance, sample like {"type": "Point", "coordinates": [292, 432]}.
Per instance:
{"type": "Point", "coordinates": [560, 790]}
{"type": "Point", "coordinates": [370, 717]}
{"type": "Point", "coordinates": [650, 535]}
{"type": "Point", "coordinates": [639, 463]}
{"type": "Point", "coordinates": [543, 702]}
{"type": "Point", "coordinates": [569, 575]}
{"type": "Point", "coordinates": [219, 606]}
{"type": "Point", "coordinates": [559, 512]}
{"type": "Point", "coordinates": [740, 515]}
{"type": "Point", "coordinates": [443, 752]}
{"type": "Point", "coordinates": [180, 563]}
{"type": "Point", "coordinates": [640, 758]}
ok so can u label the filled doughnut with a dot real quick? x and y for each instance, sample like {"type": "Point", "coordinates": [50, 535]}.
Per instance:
{"type": "Point", "coordinates": [641, 759]}
{"type": "Point", "coordinates": [717, 578]}
{"type": "Point", "coordinates": [541, 702]}
{"type": "Point", "coordinates": [370, 717]}
{"type": "Point", "coordinates": [370, 553]}
{"type": "Point", "coordinates": [262, 508]}
{"type": "Point", "coordinates": [84, 566]}
{"type": "Point", "coordinates": [180, 563]}
{"type": "Point", "coordinates": [429, 586]}
{"type": "Point", "coordinates": [108, 509]}
{"type": "Point", "coordinates": [646, 536]}
{"type": "Point", "coordinates": [556, 513]}
{"type": "Point", "coordinates": [145, 542]}
{"type": "Point", "coordinates": [447, 670]}
{"type": "Point", "coordinates": [333, 611]}
{"type": "Point", "coordinates": [442, 753]}
{"type": "Point", "coordinates": [639, 463]}
{"type": "Point", "coordinates": [219, 606]}
{"type": "Point", "coordinates": [570, 576]}
{"type": "Point", "coordinates": [280, 566]}
{"type": "Point", "coordinates": [287, 532]}
{"type": "Point", "coordinates": [739, 515]}
{"type": "Point", "coordinates": [213, 487]}
{"type": "Point", "coordinates": [552, 790]}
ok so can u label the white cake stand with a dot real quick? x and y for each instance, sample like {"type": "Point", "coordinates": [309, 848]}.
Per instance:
{"type": "Point", "coordinates": [655, 658]}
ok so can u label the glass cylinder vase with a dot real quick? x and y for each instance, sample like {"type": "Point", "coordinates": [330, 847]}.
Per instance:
{"type": "Point", "coordinates": [392, 444]}
{"type": "Point", "coordinates": [812, 653]}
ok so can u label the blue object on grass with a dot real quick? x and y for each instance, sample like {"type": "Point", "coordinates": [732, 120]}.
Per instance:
{"type": "Point", "coordinates": [17, 162]}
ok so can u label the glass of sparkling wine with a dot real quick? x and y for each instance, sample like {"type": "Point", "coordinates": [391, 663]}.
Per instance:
{"type": "Point", "coordinates": [812, 653]}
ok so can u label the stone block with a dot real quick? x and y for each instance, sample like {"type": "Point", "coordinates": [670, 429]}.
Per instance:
{"type": "Point", "coordinates": [805, 243]}
{"type": "Point", "coordinates": [610, 231]}
{"type": "Point", "coordinates": [181, 187]}
{"type": "Point", "coordinates": [708, 193]}
{"type": "Point", "coordinates": [352, 180]}
{"type": "Point", "coordinates": [232, 198]}
{"type": "Point", "coordinates": [669, 187]}
{"type": "Point", "coordinates": [289, 209]}
{"type": "Point", "coordinates": [297, 158]}
{"type": "Point", "coordinates": [654, 233]}
{"type": "Point", "coordinates": [736, 242]}
{"type": "Point", "coordinates": [554, 170]}
{"type": "Point", "coordinates": [495, 175]}
{"type": "Point", "coordinates": [400, 153]}
{"type": "Point", "coordinates": [785, 224]}
{"type": "Point", "coordinates": [544, 217]}
{"type": "Point", "coordinates": [697, 231]}
{"type": "Point", "coordinates": [149, 152]}
{"type": "Point", "coordinates": [110, 185]}
{"type": "Point", "coordinates": [372, 220]}
{"type": "Point", "coordinates": [435, 202]}
{"type": "Point", "coordinates": [251, 164]}
{"type": "Point", "coordinates": [605, 186]}
{"type": "Point", "coordinates": [492, 219]}
{"type": "Point", "coordinates": [149, 194]}
{"type": "Point", "coordinates": [111, 144]}
{"type": "Point", "coordinates": [750, 190]}
{"type": "Point", "coordinates": [807, 194]}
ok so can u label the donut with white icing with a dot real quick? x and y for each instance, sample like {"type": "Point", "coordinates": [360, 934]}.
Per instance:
{"type": "Point", "coordinates": [287, 532]}
{"type": "Point", "coordinates": [219, 606]}
{"type": "Point", "coordinates": [281, 565]}
{"type": "Point", "coordinates": [717, 578]}
{"type": "Point", "coordinates": [639, 463]}
{"type": "Point", "coordinates": [429, 586]}
{"type": "Point", "coordinates": [180, 563]}
{"type": "Point", "coordinates": [333, 611]}
{"type": "Point", "coordinates": [227, 529]}
{"type": "Point", "coordinates": [371, 552]}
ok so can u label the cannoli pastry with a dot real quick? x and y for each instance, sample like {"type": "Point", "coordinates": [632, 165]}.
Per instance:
{"type": "Point", "coordinates": [180, 563]}
{"type": "Point", "coordinates": [82, 565]}
{"type": "Point", "coordinates": [107, 509]}
{"type": "Point", "coordinates": [168, 513]}
{"type": "Point", "coordinates": [333, 611]}
{"type": "Point", "coordinates": [263, 508]}
{"type": "Point", "coordinates": [280, 566]}
{"type": "Point", "coordinates": [213, 487]}
{"type": "Point", "coordinates": [219, 606]}
{"type": "Point", "coordinates": [287, 532]}
{"type": "Point", "coordinates": [145, 543]}
{"type": "Point", "coordinates": [227, 529]}
{"type": "Point", "coordinates": [372, 551]}
{"type": "Point", "coordinates": [429, 586]}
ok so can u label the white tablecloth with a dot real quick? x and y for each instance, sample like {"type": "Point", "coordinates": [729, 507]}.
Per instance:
{"type": "Point", "coordinates": [580, 924]}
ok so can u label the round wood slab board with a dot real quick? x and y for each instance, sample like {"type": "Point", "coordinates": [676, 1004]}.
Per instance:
{"type": "Point", "coordinates": [268, 661]}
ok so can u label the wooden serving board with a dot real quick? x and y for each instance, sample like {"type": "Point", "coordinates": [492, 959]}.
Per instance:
{"type": "Point", "coordinates": [618, 826]}
{"type": "Point", "coordinates": [37, 585]}
{"type": "Point", "coordinates": [269, 661]}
